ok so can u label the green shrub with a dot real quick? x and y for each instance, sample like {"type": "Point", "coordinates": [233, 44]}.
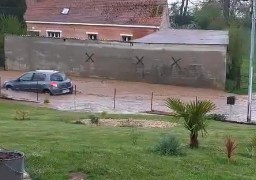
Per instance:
{"type": "Point", "coordinates": [251, 149]}
{"type": "Point", "coordinates": [46, 101]}
{"type": "Point", "coordinates": [218, 117]}
{"type": "Point", "coordinates": [103, 115]}
{"type": "Point", "coordinates": [94, 119]}
{"type": "Point", "coordinates": [168, 145]}
{"type": "Point", "coordinates": [21, 115]}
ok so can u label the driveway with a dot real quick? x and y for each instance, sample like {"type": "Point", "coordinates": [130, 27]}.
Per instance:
{"type": "Point", "coordinates": [97, 95]}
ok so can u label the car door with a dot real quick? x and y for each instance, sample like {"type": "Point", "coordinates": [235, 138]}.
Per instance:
{"type": "Point", "coordinates": [24, 82]}
{"type": "Point", "coordinates": [38, 82]}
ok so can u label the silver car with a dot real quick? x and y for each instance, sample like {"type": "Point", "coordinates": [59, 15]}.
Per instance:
{"type": "Point", "coordinates": [42, 81]}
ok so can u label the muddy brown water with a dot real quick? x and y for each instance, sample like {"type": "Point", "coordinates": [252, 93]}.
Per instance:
{"type": "Point", "coordinates": [97, 95]}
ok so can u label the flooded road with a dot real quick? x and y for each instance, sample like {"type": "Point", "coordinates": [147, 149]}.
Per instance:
{"type": "Point", "coordinates": [97, 95]}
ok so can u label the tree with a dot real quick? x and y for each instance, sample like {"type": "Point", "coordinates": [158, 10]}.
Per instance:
{"type": "Point", "coordinates": [9, 25]}
{"type": "Point", "coordinates": [235, 54]}
{"type": "Point", "coordinates": [194, 116]}
{"type": "Point", "coordinates": [180, 21]}
{"type": "Point", "coordinates": [13, 8]}
{"type": "Point", "coordinates": [210, 16]}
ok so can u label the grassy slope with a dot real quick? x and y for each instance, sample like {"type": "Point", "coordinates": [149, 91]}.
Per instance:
{"type": "Point", "coordinates": [54, 148]}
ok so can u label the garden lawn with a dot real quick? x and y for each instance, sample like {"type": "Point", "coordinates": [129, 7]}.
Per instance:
{"type": "Point", "coordinates": [54, 148]}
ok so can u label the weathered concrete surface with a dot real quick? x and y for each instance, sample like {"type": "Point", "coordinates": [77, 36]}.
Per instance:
{"type": "Point", "coordinates": [96, 95]}
{"type": "Point", "coordinates": [193, 65]}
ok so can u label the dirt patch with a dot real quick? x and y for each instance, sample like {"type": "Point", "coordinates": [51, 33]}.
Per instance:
{"type": "Point", "coordinates": [129, 123]}
{"type": "Point", "coordinates": [77, 176]}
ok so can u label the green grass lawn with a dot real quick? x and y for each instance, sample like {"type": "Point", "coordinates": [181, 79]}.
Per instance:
{"type": "Point", "coordinates": [54, 148]}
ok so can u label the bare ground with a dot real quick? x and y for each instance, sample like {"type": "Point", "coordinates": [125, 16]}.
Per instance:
{"type": "Point", "coordinates": [97, 95]}
{"type": "Point", "coordinates": [129, 123]}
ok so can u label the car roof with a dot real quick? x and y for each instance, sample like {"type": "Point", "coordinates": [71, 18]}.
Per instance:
{"type": "Point", "coordinates": [47, 71]}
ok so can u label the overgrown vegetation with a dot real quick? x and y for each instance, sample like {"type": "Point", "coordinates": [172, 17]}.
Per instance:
{"type": "Point", "coordinates": [194, 115]}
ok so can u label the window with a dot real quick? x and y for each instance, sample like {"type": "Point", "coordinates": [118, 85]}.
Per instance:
{"type": "Point", "coordinates": [126, 37]}
{"type": "Point", "coordinates": [65, 11]}
{"type": "Point", "coordinates": [54, 34]}
{"type": "Point", "coordinates": [92, 36]}
{"type": "Point", "coordinates": [26, 77]}
{"type": "Point", "coordinates": [58, 77]}
{"type": "Point", "coordinates": [39, 77]}
{"type": "Point", "coordinates": [33, 33]}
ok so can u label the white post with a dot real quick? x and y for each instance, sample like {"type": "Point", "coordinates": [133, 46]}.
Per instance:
{"type": "Point", "coordinates": [249, 108]}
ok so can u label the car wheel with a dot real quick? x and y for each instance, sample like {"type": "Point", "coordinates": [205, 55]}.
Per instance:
{"type": "Point", "coordinates": [46, 91]}
{"type": "Point", "coordinates": [9, 87]}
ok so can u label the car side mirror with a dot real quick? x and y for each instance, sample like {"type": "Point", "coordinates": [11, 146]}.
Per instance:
{"type": "Point", "coordinates": [18, 80]}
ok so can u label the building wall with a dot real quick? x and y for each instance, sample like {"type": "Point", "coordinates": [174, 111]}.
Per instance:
{"type": "Point", "coordinates": [188, 65]}
{"type": "Point", "coordinates": [79, 31]}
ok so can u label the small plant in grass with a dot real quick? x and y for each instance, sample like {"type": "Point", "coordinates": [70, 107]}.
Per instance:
{"type": "Point", "coordinates": [230, 147]}
{"type": "Point", "coordinates": [253, 141]}
{"type": "Point", "coordinates": [46, 101]}
{"type": "Point", "coordinates": [134, 135]}
{"type": "Point", "coordinates": [251, 150]}
{"type": "Point", "coordinates": [21, 115]}
{"type": "Point", "coordinates": [169, 145]}
{"type": "Point", "coordinates": [94, 119]}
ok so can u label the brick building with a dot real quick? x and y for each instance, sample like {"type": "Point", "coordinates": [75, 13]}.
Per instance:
{"type": "Point", "coordinates": [119, 20]}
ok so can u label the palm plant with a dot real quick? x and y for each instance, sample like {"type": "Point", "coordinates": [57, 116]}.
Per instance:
{"type": "Point", "coordinates": [194, 115]}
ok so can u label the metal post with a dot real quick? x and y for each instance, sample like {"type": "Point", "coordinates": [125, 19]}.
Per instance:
{"type": "Point", "coordinates": [0, 86]}
{"type": "Point", "coordinates": [152, 97]}
{"type": "Point", "coordinates": [115, 98]}
{"type": "Point", "coordinates": [75, 98]}
{"type": "Point", "coordinates": [249, 108]}
{"type": "Point", "coordinates": [37, 87]}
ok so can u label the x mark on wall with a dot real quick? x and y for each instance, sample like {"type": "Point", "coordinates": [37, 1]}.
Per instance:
{"type": "Point", "coordinates": [176, 63]}
{"type": "Point", "coordinates": [140, 60]}
{"type": "Point", "coordinates": [89, 57]}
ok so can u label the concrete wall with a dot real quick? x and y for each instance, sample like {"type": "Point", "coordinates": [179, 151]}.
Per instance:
{"type": "Point", "coordinates": [189, 65]}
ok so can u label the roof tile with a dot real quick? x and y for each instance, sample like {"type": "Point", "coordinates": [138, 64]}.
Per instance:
{"type": "Point", "coordinates": [122, 12]}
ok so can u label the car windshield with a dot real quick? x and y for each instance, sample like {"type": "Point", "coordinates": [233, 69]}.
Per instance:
{"type": "Point", "coordinates": [58, 77]}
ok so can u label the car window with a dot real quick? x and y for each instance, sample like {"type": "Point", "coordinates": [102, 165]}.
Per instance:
{"type": "Point", "coordinates": [26, 77]}
{"type": "Point", "coordinates": [58, 77]}
{"type": "Point", "coordinates": [39, 77]}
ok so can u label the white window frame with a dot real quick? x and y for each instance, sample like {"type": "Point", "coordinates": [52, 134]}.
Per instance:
{"type": "Point", "coordinates": [33, 30]}
{"type": "Point", "coordinates": [92, 33]}
{"type": "Point", "coordinates": [65, 11]}
{"type": "Point", "coordinates": [54, 31]}
{"type": "Point", "coordinates": [126, 35]}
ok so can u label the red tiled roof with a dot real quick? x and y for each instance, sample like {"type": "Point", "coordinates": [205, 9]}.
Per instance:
{"type": "Point", "coordinates": [121, 12]}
